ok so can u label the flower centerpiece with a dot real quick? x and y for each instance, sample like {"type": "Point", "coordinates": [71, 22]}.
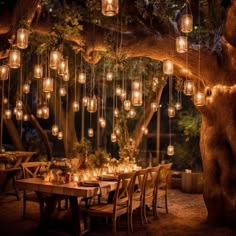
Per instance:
{"type": "Point", "coordinates": [99, 159]}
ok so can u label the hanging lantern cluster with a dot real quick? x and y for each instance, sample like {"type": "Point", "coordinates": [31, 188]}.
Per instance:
{"type": "Point", "coordinates": [110, 7]}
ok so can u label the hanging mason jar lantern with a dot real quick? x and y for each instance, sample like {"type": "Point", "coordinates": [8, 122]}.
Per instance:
{"type": "Point", "coordinates": [145, 131]}
{"type": "Point", "coordinates": [113, 137]}
{"type": "Point", "coordinates": [26, 88]}
{"type": "Point", "coordinates": [171, 111]}
{"type": "Point", "coordinates": [116, 112]}
{"type": "Point", "coordinates": [181, 44]}
{"type": "Point", "coordinates": [90, 132]}
{"type": "Point", "coordinates": [45, 112]}
{"type": "Point", "coordinates": [66, 77]}
{"type": "Point", "coordinates": [38, 71]}
{"type": "Point", "coordinates": [55, 58]}
{"type": "Point", "coordinates": [92, 104]}
{"type": "Point", "coordinates": [154, 106]}
{"type": "Point", "coordinates": [85, 101]}
{"type": "Point", "coordinates": [82, 78]}
{"type": "Point", "coordinates": [170, 150]}
{"type": "Point", "coordinates": [178, 106]}
{"type": "Point", "coordinates": [47, 85]}
{"type": "Point", "coordinates": [7, 114]}
{"type": "Point", "coordinates": [136, 93]}
{"type": "Point", "coordinates": [5, 100]}
{"type": "Point", "coordinates": [132, 113]}
{"type": "Point", "coordinates": [22, 38]}
{"type": "Point", "coordinates": [127, 105]}
{"type": "Point", "coordinates": [75, 106]}
{"type": "Point", "coordinates": [63, 67]}
{"type": "Point", "coordinates": [39, 112]}
{"type": "Point", "coordinates": [19, 104]}
{"type": "Point", "coordinates": [62, 91]}
{"type": "Point", "coordinates": [48, 96]}
{"type": "Point", "coordinates": [19, 114]}
{"type": "Point", "coordinates": [4, 72]}
{"type": "Point", "coordinates": [14, 110]}
{"type": "Point", "coordinates": [123, 94]}
{"type": "Point", "coordinates": [110, 7]}
{"type": "Point", "coordinates": [60, 135]}
{"type": "Point", "coordinates": [188, 87]}
{"type": "Point", "coordinates": [118, 91]}
{"type": "Point", "coordinates": [168, 67]}
{"type": "Point", "coordinates": [102, 122]}
{"type": "Point", "coordinates": [55, 130]}
{"type": "Point", "coordinates": [109, 76]}
{"type": "Point", "coordinates": [26, 117]}
{"type": "Point", "coordinates": [117, 131]}
{"type": "Point", "coordinates": [14, 58]}
{"type": "Point", "coordinates": [186, 23]}
{"type": "Point", "coordinates": [199, 99]}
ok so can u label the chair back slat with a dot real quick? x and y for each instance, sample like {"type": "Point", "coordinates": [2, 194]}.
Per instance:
{"type": "Point", "coordinates": [32, 169]}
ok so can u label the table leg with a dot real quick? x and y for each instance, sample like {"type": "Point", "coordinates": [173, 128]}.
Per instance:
{"type": "Point", "coordinates": [78, 222]}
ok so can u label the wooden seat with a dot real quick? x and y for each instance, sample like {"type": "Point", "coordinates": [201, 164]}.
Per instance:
{"type": "Point", "coordinates": [137, 197]}
{"type": "Point", "coordinates": [31, 170]}
{"type": "Point", "coordinates": [120, 204]}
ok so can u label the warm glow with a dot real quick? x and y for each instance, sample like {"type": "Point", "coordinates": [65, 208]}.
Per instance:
{"type": "Point", "coordinates": [110, 7]}
{"type": "Point", "coordinates": [14, 58]}
{"type": "Point", "coordinates": [181, 44]}
{"type": "Point", "coordinates": [7, 114]}
{"type": "Point", "coordinates": [47, 85]}
{"type": "Point", "coordinates": [26, 88]}
{"type": "Point", "coordinates": [136, 93]}
{"type": "Point", "coordinates": [22, 38]}
{"type": "Point", "coordinates": [75, 106]}
{"type": "Point", "coordinates": [4, 72]}
{"type": "Point", "coordinates": [109, 76]}
{"type": "Point", "coordinates": [171, 111]}
{"type": "Point", "coordinates": [154, 106]}
{"type": "Point", "coordinates": [55, 58]}
{"type": "Point", "coordinates": [178, 106]}
{"type": "Point", "coordinates": [92, 104]}
{"type": "Point", "coordinates": [60, 135]}
{"type": "Point", "coordinates": [170, 150]}
{"type": "Point", "coordinates": [113, 137]}
{"type": "Point", "coordinates": [85, 101]}
{"type": "Point", "coordinates": [38, 71]}
{"type": "Point", "coordinates": [82, 78]}
{"type": "Point", "coordinates": [168, 67]}
{"type": "Point", "coordinates": [116, 112]}
{"type": "Point", "coordinates": [63, 67]}
{"type": "Point", "coordinates": [19, 114]}
{"type": "Point", "coordinates": [102, 122]}
{"type": "Point", "coordinates": [199, 99]}
{"type": "Point", "coordinates": [62, 92]}
{"type": "Point", "coordinates": [55, 130]}
{"type": "Point", "coordinates": [19, 104]}
{"type": "Point", "coordinates": [118, 91]}
{"type": "Point", "coordinates": [26, 117]}
{"type": "Point", "coordinates": [132, 113]}
{"type": "Point", "coordinates": [90, 132]}
{"type": "Point", "coordinates": [188, 87]}
{"type": "Point", "coordinates": [186, 23]}
{"type": "Point", "coordinates": [45, 112]}
{"type": "Point", "coordinates": [39, 112]}
{"type": "Point", "coordinates": [127, 105]}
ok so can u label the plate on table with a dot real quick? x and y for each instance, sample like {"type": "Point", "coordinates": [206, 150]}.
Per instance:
{"type": "Point", "coordinates": [89, 183]}
{"type": "Point", "coordinates": [108, 177]}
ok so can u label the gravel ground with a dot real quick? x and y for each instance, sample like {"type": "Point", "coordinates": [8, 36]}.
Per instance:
{"type": "Point", "coordinates": [187, 217]}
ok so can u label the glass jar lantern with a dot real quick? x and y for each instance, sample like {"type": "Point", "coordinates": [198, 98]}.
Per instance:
{"type": "Point", "coordinates": [113, 137]}
{"type": "Point", "coordinates": [127, 105]}
{"type": "Point", "coordinates": [90, 132]}
{"type": "Point", "coordinates": [186, 23]}
{"type": "Point", "coordinates": [38, 71]}
{"type": "Point", "coordinates": [170, 150]}
{"type": "Point", "coordinates": [19, 114]}
{"type": "Point", "coordinates": [7, 114]}
{"type": "Point", "coordinates": [171, 111]}
{"type": "Point", "coordinates": [168, 67]}
{"type": "Point", "coordinates": [26, 88]}
{"type": "Point", "coordinates": [62, 91]}
{"type": "Point", "coordinates": [60, 135]}
{"type": "Point", "coordinates": [55, 130]}
{"type": "Point", "coordinates": [4, 72]}
{"type": "Point", "coordinates": [92, 104]}
{"type": "Point", "coordinates": [188, 87]}
{"type": "Point", "coordinates": [181, 44]}
{"type": "Point", "coordinates": [199, 99]}
{"type": "Point", "coordinates": [63, 67]}
{"type": "Point", "coordinates": [22, 38]}
{"type": "Point", "coordinates": [109, 76]}
{"type": "Point", "coordinates": [154, 106]}
{"type": "Point", "coordinates": [55, 58]}
{"type": "Point", "coordinates": [14, 58]}
{"type": "Point", "coordinates": [47, 85]}
{"type": "Point", "coordinates": [82, 78]}
{"type": "Point", "coordinates": [110, 7]}
{"type": "Point", "coordinates": [45, 112]}
{"type": "Point", "coordinates": [75, 106]}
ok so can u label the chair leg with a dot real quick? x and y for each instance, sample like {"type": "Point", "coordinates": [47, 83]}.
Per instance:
{"type": "Point", "coordinates": [24, 206]}
{"type": "Point", "coordinates": [114, 225]}
{"type": "Point", "coordinates": [166, 204]}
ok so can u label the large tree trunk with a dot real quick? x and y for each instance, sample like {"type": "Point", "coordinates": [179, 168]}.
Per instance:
{"type": "Point", "coordinates": [218, 148]}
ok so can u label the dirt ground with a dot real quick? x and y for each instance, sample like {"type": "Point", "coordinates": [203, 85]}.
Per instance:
{"type": "Point", "coordinates": [187, 217]}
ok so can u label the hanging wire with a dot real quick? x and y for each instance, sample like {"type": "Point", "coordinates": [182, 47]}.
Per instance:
{"type": "Point", "coordinates": [2, 115]}
{"type": "Point", "coordinates": [199, 46]}
{"type": "Point", "coordinates": [75, 74]}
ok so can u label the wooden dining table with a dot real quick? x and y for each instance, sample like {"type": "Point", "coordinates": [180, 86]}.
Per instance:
{"type": "Point", "coordinates": [73, 191]}
{"type": "Point", "coordinates": [8, 173]}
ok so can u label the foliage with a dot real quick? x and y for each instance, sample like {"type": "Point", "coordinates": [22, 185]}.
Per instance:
{"type": "Point", "coordinates": [83, 148]}
{"type": "Point", "coordinates": [60, 164]}
{"type": "Point", "coordinates": [99, 159]}
{"type": "Point", "coordinates": [187, 152]}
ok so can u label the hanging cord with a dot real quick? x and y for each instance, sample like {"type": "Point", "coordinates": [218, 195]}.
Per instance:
{"type": "Point", "coordinates": [199, 46]}
{"type": "Point", "coordinates": [75, 75]}
{"type": "Point", "coordinates": [2, 116]}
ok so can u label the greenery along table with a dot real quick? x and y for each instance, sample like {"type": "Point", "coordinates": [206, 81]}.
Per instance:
{"type": "Point", "coordinates": [9, 167]}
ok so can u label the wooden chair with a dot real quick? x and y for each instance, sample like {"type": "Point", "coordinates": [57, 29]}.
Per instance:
{"type": "Point", "coordinates": [32, 170]}
{"type": "Point", "coordinates": [120, 204]}
{"type": "Point", "coordinates": [137, 196]}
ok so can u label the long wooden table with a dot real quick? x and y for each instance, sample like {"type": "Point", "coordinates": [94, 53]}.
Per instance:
{"type": "Point", "coordinates": [7, 174]}
{"type": "Point", "coordinates": [71, 190]}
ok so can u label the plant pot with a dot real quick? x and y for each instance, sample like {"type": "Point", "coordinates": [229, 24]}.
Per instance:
{"type": "Point", "coordinates": [192, 182]}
